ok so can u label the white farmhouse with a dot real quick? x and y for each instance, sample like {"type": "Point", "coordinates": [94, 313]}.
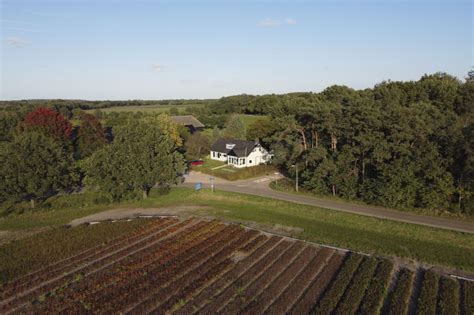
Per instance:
{"type": "Point", "coordinates": [240, 153]}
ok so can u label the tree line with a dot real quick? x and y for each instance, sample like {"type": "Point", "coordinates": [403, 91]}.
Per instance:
{"type": "Point", "coordinates": [398, 144]}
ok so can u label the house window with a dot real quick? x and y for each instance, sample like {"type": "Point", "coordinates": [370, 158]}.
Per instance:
{"type": "Point", "coordinates": [250, 161]}
{"type": "Point", "coordinates": [213, 154]}
{"type": "Point", "coordinates": [218, 155]}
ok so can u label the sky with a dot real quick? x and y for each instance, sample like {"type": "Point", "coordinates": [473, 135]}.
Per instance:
{"type": "Point", "coordinates": [143, 49]}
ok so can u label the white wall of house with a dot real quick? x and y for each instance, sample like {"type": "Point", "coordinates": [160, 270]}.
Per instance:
{"type": "Point", "coordinates": [218, 156]}
{"type": "Point", "coordinates": [258, 156]}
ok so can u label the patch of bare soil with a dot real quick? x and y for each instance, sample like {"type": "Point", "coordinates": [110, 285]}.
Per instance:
{"type": "Point", "coordinates": [130, 213]}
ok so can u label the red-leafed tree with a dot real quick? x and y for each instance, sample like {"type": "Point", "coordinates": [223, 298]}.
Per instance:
{"type": "Point", "coordinates": [49, 122]}
{"type": "Point", "coordinates": [91, 135]}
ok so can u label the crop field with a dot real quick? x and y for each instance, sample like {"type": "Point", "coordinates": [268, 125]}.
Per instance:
{"type": "Point", "coordinates": [187, 266]}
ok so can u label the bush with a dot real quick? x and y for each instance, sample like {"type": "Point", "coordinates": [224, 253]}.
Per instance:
{"type": "Point", "coordinates": [448, 298]}
{"type": "Point", "coordinates": [401, 295]}
{"type": "Point", "coordinates": [76, 200]}
{"type": "Point", "coordinates": [429, 291]}
{"type": "Point", "coordinates": [377, 288]}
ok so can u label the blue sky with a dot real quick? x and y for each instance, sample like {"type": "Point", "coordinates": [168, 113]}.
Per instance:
{"type": "Point", "coordinates": [112, 49]}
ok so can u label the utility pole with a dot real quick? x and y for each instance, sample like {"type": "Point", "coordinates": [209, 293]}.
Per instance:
{"type": "Point", "coordinates": [296, 178]}
{"type": "Point", "coordinates": [296, 184]}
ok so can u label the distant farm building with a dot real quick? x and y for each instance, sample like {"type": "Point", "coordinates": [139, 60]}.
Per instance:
{"type": "Point", "coordinates": [240, 153]}
{"type": "Point", "coordinates": [191, 122]}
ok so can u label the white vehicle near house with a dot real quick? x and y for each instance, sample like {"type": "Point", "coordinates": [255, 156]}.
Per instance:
{"type": "Point", "coordinates": [240, 153]}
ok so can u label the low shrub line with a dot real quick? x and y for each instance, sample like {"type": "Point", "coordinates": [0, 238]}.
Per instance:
{"type": "Point", "coordinates": [401, 295]}
{"type": "Point", "coordinates": [355, 292]}
{"type": "Point", "coordinates": [372, 302]}
{"type": "Point", "coordinates": [332, 296]}
{"type": "Point", "coordinates": [448, 298]}
{"type": "Point", "coordinates": [426, 303]}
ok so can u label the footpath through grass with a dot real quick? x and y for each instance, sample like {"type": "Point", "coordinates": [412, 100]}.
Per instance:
{"type": "Point", "coordinates": [359, 233]}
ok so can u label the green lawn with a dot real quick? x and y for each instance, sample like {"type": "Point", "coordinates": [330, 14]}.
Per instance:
{"type": "Point", "coordinates": [249, 119]}
{"type": "Point", "coordinates": [222, 170]}
{"type": "Point", "coordinates": [360, 233]}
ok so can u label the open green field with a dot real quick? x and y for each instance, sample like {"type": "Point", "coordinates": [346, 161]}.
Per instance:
{"type": "Point", "coordinates": [359, 233]}
{"type": "Point", "coordinates": [147, 108]}
{"type": "Point", "coordinates": [249, 119]}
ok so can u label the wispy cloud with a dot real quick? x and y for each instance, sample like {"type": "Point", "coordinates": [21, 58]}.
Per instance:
{"type": "Point", "coordinates": [17, 42]}
{"type": "Point", "coordinates": [157, 67]}
{"type": "Point", "coordinates": [16, 22]}
{"type": "Point", "coordinates": [268, 22]}
{"type": "Point", "coordinates": [21, 29]}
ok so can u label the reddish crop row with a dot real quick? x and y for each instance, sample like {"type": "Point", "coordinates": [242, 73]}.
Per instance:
{"type": "Point", "coordinates": [330, 299]}
{"type": "Point", "coordinates": [133, 266]}
{"type": "Point", "coordinates": [222, 282]}
{"type": "Point", "coordinates": [197, 277]}
{"type": "Point", "coordinates": [264, 300]}
{"type": "Point", "coordinates": [258, 284]}
{"type": "Point", "coordinates": [136, 267]}
{"type": "Point", "coordinates": [237, 286]}
{"type": "Point", "coordinates": [21, 298]}
{"type": "Point", "coordinates": [62, 266]}
{"type": "Point", "coordinates": [162, 272]}
{"type": "Point", "coordinates": [318, 285]}
{"type": "Point", "coordinates": [195, 266]}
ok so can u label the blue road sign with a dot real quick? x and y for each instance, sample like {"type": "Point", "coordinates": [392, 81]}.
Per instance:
{"type": "Point", "coordinates": [197, 186]}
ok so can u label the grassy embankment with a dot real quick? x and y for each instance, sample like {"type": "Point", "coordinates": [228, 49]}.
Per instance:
{"type": "Point", "coordinates": [360, 233]}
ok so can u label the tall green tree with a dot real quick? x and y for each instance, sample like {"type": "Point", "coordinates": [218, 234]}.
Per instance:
{"type": "Point", "coordinates": [141, 156]}
{"type": "Point", "coordinates": [235, 128]}
{"type": "Point", "coordinates": [34, 166]}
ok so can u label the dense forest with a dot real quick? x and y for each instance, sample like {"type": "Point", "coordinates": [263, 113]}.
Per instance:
{"type": "Point", "coordinates": [398, 144]}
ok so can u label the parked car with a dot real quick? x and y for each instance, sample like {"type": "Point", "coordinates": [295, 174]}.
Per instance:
{"type": "Point", "coordinates": [196, 163]}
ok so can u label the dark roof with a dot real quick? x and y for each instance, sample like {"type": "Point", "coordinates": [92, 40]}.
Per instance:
{"type": "Point", "coordinates": [241, 148]}
{"type": "Point", "coordinates": [188, 120]}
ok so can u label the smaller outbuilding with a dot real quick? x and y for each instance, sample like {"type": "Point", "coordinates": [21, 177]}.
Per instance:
{"type": "Point", "coordinates": [191, 122]}
{"type": "Point", "coordinates": [240, 153]}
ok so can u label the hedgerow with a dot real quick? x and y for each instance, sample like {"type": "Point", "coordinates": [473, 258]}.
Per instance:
{"type": "Point", "coordinates": [448, 298]}
{"type": "Point", "coordinates": [426, 303]}
{"type": "Point", "coordinates": [401, 295]}
{"type": "Point", "coordinates": [355, 292]}
{"type": "Point", "coordinates": [337, 288]}
{"type": "Point", "coordinates": [377, 288]}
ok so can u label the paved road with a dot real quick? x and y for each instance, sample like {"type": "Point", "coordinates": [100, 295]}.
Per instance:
{"type": "Point", "coordinates": [260, 187]}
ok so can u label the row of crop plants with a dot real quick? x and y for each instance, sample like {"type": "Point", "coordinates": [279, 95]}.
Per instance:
{"type": "Point", "coordinates": [126, 294]}
{"type": "Point", "coordinates": [21, 300]}
{"type": "Point", "coordinates": [257, 285]}
{"type": "Point", "coordinates": [213, 267]}
{"type": "Point", "coordinates": [128, 270]}
{"type": "Point", "coordinates": [166, 271]}
{"type": "Point", "coordinates": [275, 289]}
{"type": "Point", "coordinates": [207, 294]}
{"type": "Point", "coordinates": [237, 287]}
{"type": "Point", "coordinates": [59, 267]}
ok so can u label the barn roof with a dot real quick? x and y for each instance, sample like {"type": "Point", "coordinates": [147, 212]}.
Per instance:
{"type": "Point", "coordinates": [188, 120]}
